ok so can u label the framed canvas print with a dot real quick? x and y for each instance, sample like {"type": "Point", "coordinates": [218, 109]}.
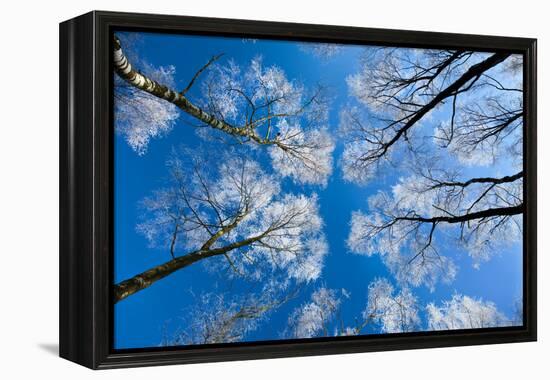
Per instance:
{"type": "Point", "coordinates": [238, 189]}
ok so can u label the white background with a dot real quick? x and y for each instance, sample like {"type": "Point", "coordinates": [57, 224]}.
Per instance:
{"type": "Point", "coordinates": [29, 188]}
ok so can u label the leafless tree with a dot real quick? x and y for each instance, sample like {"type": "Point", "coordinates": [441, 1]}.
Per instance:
{"type": "Point", "coordinates": [401, 89]}
{"type": "Point", "coordinates": [323, 51]}
{"type": "Point", "coordinates": [227, 207]}
{"type": "Point", "coordinates": [386, 310]}
{"type": "Point", "coordinates": [402, 226]}
{"type": "Point", "coordinates": [255, 105]}
{"type": "Point", "coordinates": [140, 116]}
{"type": "Point", "coordinates": [392, 311]}
{"type": "Point", "coordinates": [434, 115]}
{"type": "Point", "coordinates": [227, 317]}
{"type": "Point", "coordinates": [463, 312]}
{"type": "Point", "coordinates": [312, 319]}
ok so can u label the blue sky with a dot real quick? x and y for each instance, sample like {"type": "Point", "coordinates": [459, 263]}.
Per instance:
{"type": "Point", "coordinates": [142, 319]}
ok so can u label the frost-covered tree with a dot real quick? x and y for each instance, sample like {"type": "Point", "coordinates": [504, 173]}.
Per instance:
{"type": "Point", "coordinates": [431, 116]}
{"type": "Point", "coordinates": [256, 105]}
{"type": "Point", "coordinates": [517, 316]}
{"type": "Point", "coordinates": [228, 318]}
{"type": "Point", "coordinates": [463, 312]}
{"type": "Point", "coordinates": [313, 318]}
{"type": "Point", "coordinates": [475, 98]}
{"type": "Point", "coordinates": [321, 50]}
{"type": "Point", "coordinates": [220, 319]}
{"type": "Point", "coordinates": [387, 310]}
{"type": "Point", "coordinates": [225, 207]}
{"type": "Point", "coordinates": [393, 312]}
{"type": "Point", "coordinates": [402, 225]}
{"type": "Point", "coordinates": [140, 116]}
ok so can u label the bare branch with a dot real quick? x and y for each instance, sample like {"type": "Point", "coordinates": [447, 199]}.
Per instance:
{"type": "Point", "coordinates": [198, 73]}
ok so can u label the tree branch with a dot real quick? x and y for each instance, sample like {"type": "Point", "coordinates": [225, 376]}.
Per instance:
{"type": "Point", "coordinates": [498, 211]}
{"type": "Point", "coordinates": [145, 279]}
{"type": "Point", "coordinates": [198, 73]}
{"type": "Point", "coordinates": [125, 70]}
{"type": "Point", "coordinates": [472, 74]}
{"type": "Point", "coordinates": [505, 179]}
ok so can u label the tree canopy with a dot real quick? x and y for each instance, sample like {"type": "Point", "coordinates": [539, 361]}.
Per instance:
{"type": "Point", "coordinates": [428, 117]}
{"type": "Point", "coordinates": [415, 153]}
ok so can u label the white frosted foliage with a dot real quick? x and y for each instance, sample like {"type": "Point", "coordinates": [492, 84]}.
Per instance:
{"type": "Point", "coordinates": [463, 312]}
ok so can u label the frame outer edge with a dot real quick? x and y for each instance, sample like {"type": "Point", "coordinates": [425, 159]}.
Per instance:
{"type": "Point", "coordinates": [86, 182]}
{"type": "Point", "coordinates": [530, 235]}
{"type": "Point", "coordinates": [103, 183]}
{"type": "Point", "coordinates": [76, 306]}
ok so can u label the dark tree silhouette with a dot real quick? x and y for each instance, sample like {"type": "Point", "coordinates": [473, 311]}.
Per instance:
{"type": "Point", "coordinates": [435, 113]}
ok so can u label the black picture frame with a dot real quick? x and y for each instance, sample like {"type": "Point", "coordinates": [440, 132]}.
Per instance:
{"type": "Point", "coordinates": [86, 190]}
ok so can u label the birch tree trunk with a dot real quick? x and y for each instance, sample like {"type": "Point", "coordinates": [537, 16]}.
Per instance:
{"type": "Point", "coordinates": [125, 70]}
{"type": "Point", "coordinates": [145, 279]}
